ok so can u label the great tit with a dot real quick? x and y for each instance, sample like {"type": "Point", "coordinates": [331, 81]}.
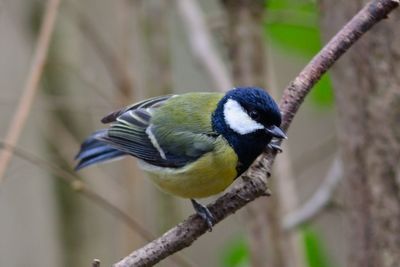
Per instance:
{"type": "Point", "coordinates": [191, 145]}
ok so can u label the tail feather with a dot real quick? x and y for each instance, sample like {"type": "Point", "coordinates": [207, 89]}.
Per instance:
{"type": "Point", "coordinates": [94, 151]}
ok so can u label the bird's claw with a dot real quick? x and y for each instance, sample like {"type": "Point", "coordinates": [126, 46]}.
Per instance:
{"type": "Point", "coordinates": [204, 213]}
{"type": "Point", "coordinates": [274, 145]}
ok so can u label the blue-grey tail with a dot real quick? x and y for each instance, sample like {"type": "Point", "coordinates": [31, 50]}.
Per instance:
{"type": "Point", "coordinates": [94, 151]}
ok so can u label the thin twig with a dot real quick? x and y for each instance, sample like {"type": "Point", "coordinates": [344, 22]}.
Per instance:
{"type": "Point", "coordinates": [79, 186]}
{"type": "Point", "coordinates": [119, 74]}
{"type": "Point", "coordinates": [319, 200]}
{"type": "Point", "coordinates": [32, 82]}
{"type": "Point", "coordinates": [88, 81]}
{"type": "Point", "coordinates": [254, 183]}
{"type": "Point", "coordinates": [202, 45]}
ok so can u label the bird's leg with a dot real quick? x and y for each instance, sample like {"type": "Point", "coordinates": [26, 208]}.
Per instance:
{"type": "Point", "coordinates": [274, 145]}
{"type": "Point", "coordinates": [204, 213]}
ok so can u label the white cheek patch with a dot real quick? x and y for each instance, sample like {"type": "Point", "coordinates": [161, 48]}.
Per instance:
{"type": "Point", "coordinates": [238, 120]}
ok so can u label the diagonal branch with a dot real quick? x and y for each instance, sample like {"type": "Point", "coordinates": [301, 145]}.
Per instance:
{"type": "Point", "coordinates": [32, 82]}
{"type": "Point", "coordinates": [254, 184]}
{"type": "Point", "coordinates": [318, 201]}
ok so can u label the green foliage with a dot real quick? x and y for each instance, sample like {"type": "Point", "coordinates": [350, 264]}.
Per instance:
{"type": "Point", "coordinates": [294, 38]}
{"type": "Point", "coordinates": [292, 26]}
{"type": "Point", "coordinates": [236, 254]}
{"type": "Point", "coordinates": [316, 255]}
{"type": "Point", "coordinates": [322, 94]}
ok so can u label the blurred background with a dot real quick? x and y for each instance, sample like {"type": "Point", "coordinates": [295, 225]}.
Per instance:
{"type": "Point", "coordinates": [107, 54]}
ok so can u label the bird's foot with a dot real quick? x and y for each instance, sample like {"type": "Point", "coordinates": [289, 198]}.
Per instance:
{"type": "Point", "coordinates": [204, 213]}
{"type": "Point", "coordinates": [275, 145]}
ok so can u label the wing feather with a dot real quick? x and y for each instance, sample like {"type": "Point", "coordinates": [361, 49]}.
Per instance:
{"type": "Point", "coordinates": [132, 132]}
{"type": "Point", "coordinates": [152, 102]}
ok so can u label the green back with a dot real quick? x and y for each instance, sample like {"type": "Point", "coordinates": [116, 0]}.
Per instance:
{"type": "Point", "coordinates": [182, 125]}
{"type": "Point", "coordinates": [188, 112]}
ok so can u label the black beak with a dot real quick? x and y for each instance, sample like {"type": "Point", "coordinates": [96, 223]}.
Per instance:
{"type": "Point", "coordinates": [275, 131]}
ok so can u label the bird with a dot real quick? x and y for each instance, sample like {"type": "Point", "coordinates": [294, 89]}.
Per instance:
{"type": "Point", "coordinates": [191, 145]}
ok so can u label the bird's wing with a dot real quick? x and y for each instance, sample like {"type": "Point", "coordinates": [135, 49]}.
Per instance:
{"type": "Point", "coordinates": [134, 133]}
{"type": "Point", "coordinates": [148, 103]}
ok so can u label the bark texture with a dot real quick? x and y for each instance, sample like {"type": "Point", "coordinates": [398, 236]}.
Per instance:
{"type": "Point", "coordinates": [367, 88]}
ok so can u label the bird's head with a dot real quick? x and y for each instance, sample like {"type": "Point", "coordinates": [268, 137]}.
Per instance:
{"type": "Point", "coordinates": [248, 118]}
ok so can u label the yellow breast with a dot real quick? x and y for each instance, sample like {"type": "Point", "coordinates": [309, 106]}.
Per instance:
{"type": "Point", "coordinates": [207, 176]}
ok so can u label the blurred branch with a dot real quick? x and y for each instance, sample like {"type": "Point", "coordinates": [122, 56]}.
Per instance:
{"type": "Point", "coordinates": [292, 247]}
{"type": "Point", "coordinates": [87, 80]}
{"type": "Point", "coordinates": [79, 186]}
{"type": "Point", "coordinates": [115, 66]}
{"type": "Point", "coordinates": [318, 201]}
{"type": "Point", "coordinates": [254, 182]}
{"type": "Point", "coordinates": [32, 82]}
{"type": "Point", "coordinates": [317, 152]}
{"type": "Point", "coordinates": [202, 45]}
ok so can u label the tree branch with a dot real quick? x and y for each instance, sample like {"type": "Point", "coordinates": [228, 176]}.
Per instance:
{"type": "Point", "coordinates": [80, 186]}
{"type": "Point", "coordinates": [254, 184]}
{"type": "Point", "coordinates": [32, 82]}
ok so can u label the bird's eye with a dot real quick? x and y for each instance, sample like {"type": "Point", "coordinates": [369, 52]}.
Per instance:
{"type": "Point", "coordinates": [254, 114]}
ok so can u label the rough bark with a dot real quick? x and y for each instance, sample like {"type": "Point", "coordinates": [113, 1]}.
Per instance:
{"type": "Point", "coordinates": [367, 89]}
